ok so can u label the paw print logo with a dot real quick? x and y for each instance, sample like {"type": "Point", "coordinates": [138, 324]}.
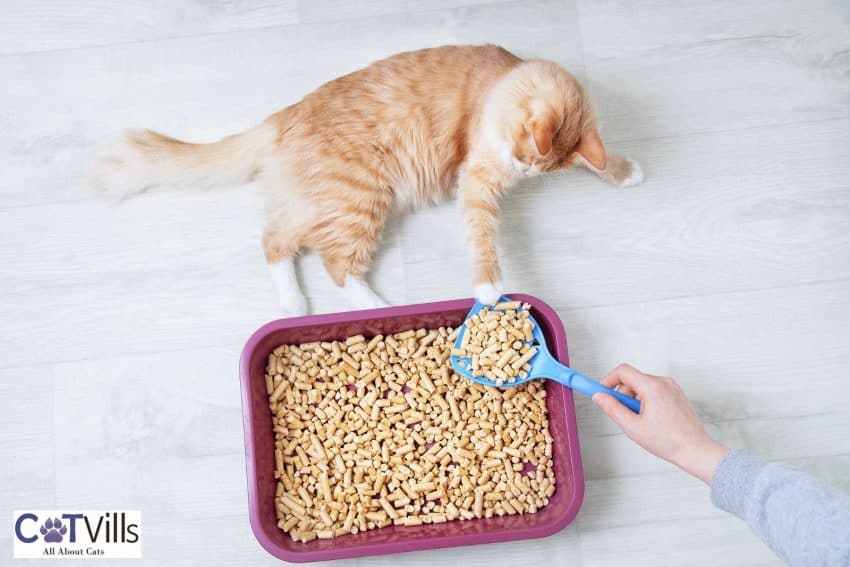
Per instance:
{"type": "Point", "coordinates": [53, 530]}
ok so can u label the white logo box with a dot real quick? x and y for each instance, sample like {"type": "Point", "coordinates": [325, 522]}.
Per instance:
{"type": "Point", "coordinates": [77, 534]}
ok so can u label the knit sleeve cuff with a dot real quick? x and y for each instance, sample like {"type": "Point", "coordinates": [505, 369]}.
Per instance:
{"type": "Point", "coordinates": [733, 482]}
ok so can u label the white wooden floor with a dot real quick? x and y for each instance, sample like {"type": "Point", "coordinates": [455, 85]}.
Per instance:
{"type": "Point", "coordinates": [729, 268]}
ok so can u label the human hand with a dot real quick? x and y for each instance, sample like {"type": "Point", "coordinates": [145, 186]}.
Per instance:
{"type": "Point", "coordinates": [667, 426]}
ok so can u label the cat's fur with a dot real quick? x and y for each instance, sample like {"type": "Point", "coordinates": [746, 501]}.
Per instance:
{"type": "Point", "coordinates": [405, 131]}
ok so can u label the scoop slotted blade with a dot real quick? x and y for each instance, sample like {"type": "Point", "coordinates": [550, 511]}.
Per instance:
{"type": "Point", "coordinates": [543, 365]}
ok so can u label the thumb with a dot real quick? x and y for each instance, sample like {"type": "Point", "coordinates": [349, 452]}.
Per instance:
{"type": "Point", "coordinates": [619, 414]}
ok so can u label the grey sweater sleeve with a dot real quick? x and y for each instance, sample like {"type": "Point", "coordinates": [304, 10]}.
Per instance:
{"type": "Point", "coordinates": [803, 520]}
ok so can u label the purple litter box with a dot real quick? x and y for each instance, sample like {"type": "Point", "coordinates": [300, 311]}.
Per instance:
{"type": "Point", "coordinates": [259, 440]}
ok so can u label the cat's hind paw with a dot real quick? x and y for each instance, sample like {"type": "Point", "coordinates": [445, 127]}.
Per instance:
{"type": "Point", "coordinates": [359, 295]}
{"type": "Point", "coordinates": [293, 305]}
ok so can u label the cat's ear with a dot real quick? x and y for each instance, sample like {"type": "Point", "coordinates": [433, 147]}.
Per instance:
{"type": "Point", "coordinates": [542, 128]}
{"type": "Point", "coordinates": [591, 149]}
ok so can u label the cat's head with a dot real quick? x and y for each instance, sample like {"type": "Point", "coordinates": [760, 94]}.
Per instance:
{"type": "Point", "coordinates": [544, 121]}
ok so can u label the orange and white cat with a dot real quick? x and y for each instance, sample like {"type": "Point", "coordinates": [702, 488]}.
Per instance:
{"type": "Point", "coordinates": [405, 131]}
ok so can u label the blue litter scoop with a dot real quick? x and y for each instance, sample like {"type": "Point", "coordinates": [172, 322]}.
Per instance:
{"type": "Point", "coordinates": [543, 365]}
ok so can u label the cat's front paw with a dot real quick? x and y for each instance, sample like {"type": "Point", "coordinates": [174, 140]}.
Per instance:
{"type": "Point", "coordinates": [635, 175]}
{"type": "Point", "coordinates": [489, 293]}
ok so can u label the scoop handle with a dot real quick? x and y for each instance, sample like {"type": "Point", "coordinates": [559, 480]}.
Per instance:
{"type": "Point", "coordinates": [581, 383]}
{"type": "Point", "coordinates": [589, 386]}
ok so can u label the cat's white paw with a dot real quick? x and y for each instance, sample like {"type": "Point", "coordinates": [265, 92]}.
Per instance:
{"type": "Point", "coordinates": [292, 302]}
{"type": "Point", "coordinates": [293, 305]}
{"type": "Point", "coordinates": [359, 295]}
{"type": "Point", "coordinates": [489, 293]}
{"type": "Point", "coordinates": [119, 170]}
{"type": "Point", "coordinates": [373, 302]}
{"type": "Point", "coordinates": [635, 177]}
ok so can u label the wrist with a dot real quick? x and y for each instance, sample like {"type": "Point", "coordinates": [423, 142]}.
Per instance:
{"type": "Point", "coordinates": [701, 459]}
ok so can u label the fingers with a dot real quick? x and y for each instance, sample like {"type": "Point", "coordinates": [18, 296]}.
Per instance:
{"type": "Point", "coordinates": [624, 379]}
{"type": "Point", "coordinates": [631, 377]}
{"type": "Point", "coordinates": [628, 391]}
{"type": "Point", "coordinates": [611, 380]}
{"type": "Point", "coordinates": [619, 414]}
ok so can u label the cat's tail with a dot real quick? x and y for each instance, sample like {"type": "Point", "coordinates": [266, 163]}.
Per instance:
{"type": "Point", "coordinates": [142, 159]}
